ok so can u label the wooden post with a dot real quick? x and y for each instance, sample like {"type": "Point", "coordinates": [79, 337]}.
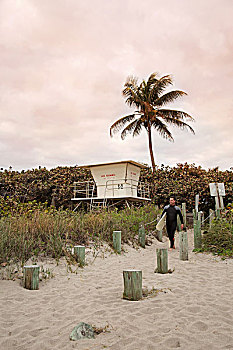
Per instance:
{"type": "Point", "coordinates": [162, 260]}
{"type": "Point", "coordinates": [142, 237]}
{"type": "Point", "coordinates": [117, 241]}
{"type": "Point", "coordinates": [196, 202]}
{"type": "Point", "coordinates": [184, 214]}
{"type": "Point", "coordinates": [132, 284]}
{"type": "Point", "coordinates": [178, 224]}
{"type": "Point", "coordinates": [194, 221]}
{"type": "Point", "coordinates": [197, 234]}
{"type": "Point", "coordinates": [183, 245]}
{"type": "Point", "coordinates": [202, 218]}
{"type": "Point", "coordinates": [218, 213]}
{"type": "Point", "coordinates": [79, 253]}
{"type": "Point", "coordinates": [211, 217]}
{"type": "Point", "coordinates": [221, 202]}
{"type": "Point", "coordinates": [194, 214]}
{"type": "Point", "coordinates": [31, 277]}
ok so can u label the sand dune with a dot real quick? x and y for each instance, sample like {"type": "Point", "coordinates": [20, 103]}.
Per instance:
{"type": "Point", "coordinates": [193, 309]}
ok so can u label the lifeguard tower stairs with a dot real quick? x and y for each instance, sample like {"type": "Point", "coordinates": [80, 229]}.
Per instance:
{"type": "Point", "coordinates": [113, 184]}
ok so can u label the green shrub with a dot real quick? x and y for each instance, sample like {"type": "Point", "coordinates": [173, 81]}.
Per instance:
{"type": "Point", "coordinates": [56, 185]}
{"type": "Point", "coordinates": [219, 238]}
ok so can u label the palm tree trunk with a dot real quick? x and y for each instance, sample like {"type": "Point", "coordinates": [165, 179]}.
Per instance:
{"type": "Point", "coordinates": [151, 150]}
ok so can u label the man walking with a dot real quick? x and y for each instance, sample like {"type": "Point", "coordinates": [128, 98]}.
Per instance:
{"type": "Point", "coordinates": [172, 211]}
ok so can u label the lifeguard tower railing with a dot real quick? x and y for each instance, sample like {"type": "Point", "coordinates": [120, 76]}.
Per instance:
{"type": "Point", "coordinates": [133, 188]}
{"type": "Point", "coordinates": [85, 189]}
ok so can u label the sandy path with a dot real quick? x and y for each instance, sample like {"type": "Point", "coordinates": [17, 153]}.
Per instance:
{"type": "Point", "coordinates": [194, 310]}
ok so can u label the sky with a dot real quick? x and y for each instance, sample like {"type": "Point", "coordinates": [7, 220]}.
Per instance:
{"type": "Point", "coordinates": [63, 69]}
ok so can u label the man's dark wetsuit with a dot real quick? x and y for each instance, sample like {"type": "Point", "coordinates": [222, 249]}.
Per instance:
{"type": "Point", "coordinates": [171, 220]}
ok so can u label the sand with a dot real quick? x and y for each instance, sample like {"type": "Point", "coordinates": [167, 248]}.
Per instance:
{"type": "Point", "coordinates": [193, 309]}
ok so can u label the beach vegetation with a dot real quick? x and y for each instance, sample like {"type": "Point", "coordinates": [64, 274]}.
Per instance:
{"type": "Point", "coordinates": [49, 232]}
{"type": "Point", "coordinates": [218, 239]}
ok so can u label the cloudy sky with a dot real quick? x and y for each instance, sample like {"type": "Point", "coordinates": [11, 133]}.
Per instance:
{"type": "Point", "coordinates": [64, 64]}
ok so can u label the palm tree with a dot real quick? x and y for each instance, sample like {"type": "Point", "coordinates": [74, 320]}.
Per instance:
{"type": "Point", "coordinates": [148, 99]}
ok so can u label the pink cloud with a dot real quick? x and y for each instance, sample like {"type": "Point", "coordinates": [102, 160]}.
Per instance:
{"type": "Point", "coordinates": [63, 66]}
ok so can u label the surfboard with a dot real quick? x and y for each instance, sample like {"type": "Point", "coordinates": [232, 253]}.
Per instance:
{"type": "Point", "coordinates": [160, 225]}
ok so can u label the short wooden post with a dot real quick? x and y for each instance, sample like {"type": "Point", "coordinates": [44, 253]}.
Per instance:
{"type": "Point", "coordinates": [184, 214]}
{"type": "Point", "coordinates": [183, 245]}
{"type": "Point", "coordinates": [31, 277]}
{"type": "Point", "coordinates": [211, 217]}
{"type": "Point", "coordinates": [197, 234]}
{"type": "Point", "coordinates": [162, 260]}
{"type": "Point", "coordinates": [142, 236]}
{"type": "Point", "coordinates": [117, 241]}
{"type": "Point", "coordinates": [79, 253]}
{"type": "Point", "coordinates": [132, 284]}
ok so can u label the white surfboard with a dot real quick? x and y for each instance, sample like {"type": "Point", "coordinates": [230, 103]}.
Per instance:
{"type": "Point", "coordinates": [160, 225]}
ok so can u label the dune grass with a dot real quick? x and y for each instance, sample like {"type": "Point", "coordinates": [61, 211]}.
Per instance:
{"type": "Point", "coordinates": [48, 232]}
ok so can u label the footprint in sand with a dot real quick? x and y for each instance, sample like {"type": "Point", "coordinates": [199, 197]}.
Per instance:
{"type": "Point", "coordinates": [199, 325]}
{"type": "Point", "coordinates": [193, 309]}
{"type": "Point", "coordinates": [172, 342]}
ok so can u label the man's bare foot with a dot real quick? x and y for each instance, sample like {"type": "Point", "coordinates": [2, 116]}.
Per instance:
{"type": "Point", "coordinates": [170, 249]}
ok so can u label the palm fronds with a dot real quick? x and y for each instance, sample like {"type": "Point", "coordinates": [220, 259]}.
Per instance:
{"type": "Point", "coordinates": [131, 92]}
{"type": "Point", "coordinates": [168, 97]}
{"type": "Point", "coordinates": [162, 129]}
{"type": "Point", "coordinates": [158, 87]}
{"type": "Point", "coordinates": [148, 98]}
{"type": "Point", "coordinates": [129, 128]}
{"type": "Point", "coordinates": [138, 128]}
{"type": "Point", "coordinates": [117, 126]}
{"type": "Point", "coordinates": [171, 113]}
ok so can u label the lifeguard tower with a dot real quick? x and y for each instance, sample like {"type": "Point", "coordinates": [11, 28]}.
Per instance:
{"type": "Point", "coordinates": [113, 184]}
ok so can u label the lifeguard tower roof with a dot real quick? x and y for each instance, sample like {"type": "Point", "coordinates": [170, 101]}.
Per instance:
{"type": "Point", "coordinates": [112, 163]}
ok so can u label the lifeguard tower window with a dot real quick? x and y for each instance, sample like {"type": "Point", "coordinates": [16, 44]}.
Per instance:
{"type": "Point", "coordinates": [113, 182]}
